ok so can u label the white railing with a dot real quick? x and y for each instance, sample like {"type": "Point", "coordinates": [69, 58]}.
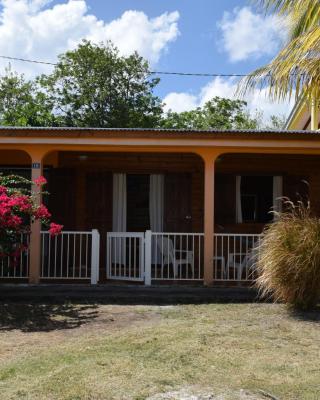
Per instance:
{"type": "Point", "coordinates": [176, 256]}
{"type": "Point", "coordinates": [125, 256]}
{"type": "Point", "coordinates": [73, 255]}
{"type": "Point", "coordinates": [235, 256]}
{"type": "Point", "coordinates": [138, 256]}
{"type": "Point", "coordinates": [16, 267]}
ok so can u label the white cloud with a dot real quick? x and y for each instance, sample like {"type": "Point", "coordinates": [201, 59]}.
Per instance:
{"type": "Point", "coordinates": [226, 87]}
{"type": "Point", "coordinates": [218, 87]}
{"type": "Point", "coordinates": [180, 102]}
{"type": "Point", "coordinates": [34, 29]}
{"type": "Point", "coordinates": [246, 34]}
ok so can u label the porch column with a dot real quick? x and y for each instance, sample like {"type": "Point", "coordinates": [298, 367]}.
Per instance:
{"type": "Point", "coordinates": [209, 162]}
{"type": "Point", "coordinates": [35, 238]}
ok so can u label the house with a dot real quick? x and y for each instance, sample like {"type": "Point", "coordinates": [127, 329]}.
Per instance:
{"type": "Point", "coordinates": [304, 115]}
{"type": "Point", "coordinates": [153, 205]}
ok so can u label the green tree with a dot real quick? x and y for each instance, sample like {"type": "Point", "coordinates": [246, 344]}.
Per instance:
{"type": "Point", "coordinates": [218, 113]}
{"type": "Point", "coordinates": [276, 122]}
{"type": "Point", "coordinates": [95, 86]}
{"type": "Point", "coordinates": [22, 103]}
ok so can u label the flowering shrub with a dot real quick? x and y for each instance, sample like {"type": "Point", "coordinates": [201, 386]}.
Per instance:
{"type": "Point", "coordinates": [18, 210]}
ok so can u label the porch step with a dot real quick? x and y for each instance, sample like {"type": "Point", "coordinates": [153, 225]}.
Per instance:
{"type": "Point", "coordinates": [112, 294]}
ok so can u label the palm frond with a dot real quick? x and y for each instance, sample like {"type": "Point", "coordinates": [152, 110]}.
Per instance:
{"type": "Point", "coordinates": [285, 7]}
{"type": "Point", "coordinates": [304, 17]}
{"type": "Point", "coordinates": [295, 69]}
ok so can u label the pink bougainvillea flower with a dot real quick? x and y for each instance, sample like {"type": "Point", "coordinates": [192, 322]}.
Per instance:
{"type": "Point", "coordinates": [42, 212]}
{"type": "Point", "coordinates": [3, 190]}
{"type": "Point", "coordinates": [40, 181]}
{"type": "Point", "coordinates": [18, 210]}
{"type": "Point", "coordinates": [55, 229]}
{"type": "Point", "coordinates": [22, 202]}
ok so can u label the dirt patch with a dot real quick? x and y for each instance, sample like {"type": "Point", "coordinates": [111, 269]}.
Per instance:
{"type": "Point", "coordinates": [207, 394]}
{"type": "Point", "coordinates": [29, 326]}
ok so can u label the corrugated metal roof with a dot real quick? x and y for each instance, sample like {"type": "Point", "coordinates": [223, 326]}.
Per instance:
{"type": "Point", "coordinates": [160, 130]}
{"type": "Point", "coordinates": [197, 134]}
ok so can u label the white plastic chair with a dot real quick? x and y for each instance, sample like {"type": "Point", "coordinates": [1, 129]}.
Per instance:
{"type": "Point", "coordinates": [220, 259]}
{"type": "Point", "coordinates": [169, 255]}
{"type": "Point", "coordinates": [235, 261]}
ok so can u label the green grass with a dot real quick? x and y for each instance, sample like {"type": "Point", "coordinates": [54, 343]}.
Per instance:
{"type": "Point", "coordinates": [132, 352]}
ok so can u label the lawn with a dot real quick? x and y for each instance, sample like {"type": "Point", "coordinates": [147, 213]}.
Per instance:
{"type": "Point", "coordinates": [234, 351]}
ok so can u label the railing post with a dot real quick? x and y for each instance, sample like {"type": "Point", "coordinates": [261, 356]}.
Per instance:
{"type": "Point", "coordinates": [95, 256]}
{"type": "Point", "coordinates": [147, 258]}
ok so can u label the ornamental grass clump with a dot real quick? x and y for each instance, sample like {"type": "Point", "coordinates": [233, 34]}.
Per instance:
{"type": "Point", "coordinates": [288, 262]}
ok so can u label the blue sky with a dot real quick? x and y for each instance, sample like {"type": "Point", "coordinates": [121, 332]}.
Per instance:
{"type": "Point", "coordinates": [197, 47]}
{"type": "Point", "coordinates": [212, 36]}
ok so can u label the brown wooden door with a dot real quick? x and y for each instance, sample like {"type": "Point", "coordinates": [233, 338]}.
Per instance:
{"type": "Point", "coordinates": [99, 201]}
{"type": "Point", "coordinates": [177, 203]}
{"type": "Point", "coordinates": [225, 200]}
{"type": "Point", "coordinates": [62, 197]}
{"type": "Point", "coordinates": [99, 210]}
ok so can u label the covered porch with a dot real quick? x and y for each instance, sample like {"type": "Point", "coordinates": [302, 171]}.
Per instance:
{"type": "Point", "coordinates": [143, 216]}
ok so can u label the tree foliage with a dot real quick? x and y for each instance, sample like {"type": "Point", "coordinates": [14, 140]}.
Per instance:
{"type": "Point", "coordinates": [22, 103]}
{"type": "Point", "coordinates": [95, 86]}
{"type": "Point", "coordinates": [218, 113]}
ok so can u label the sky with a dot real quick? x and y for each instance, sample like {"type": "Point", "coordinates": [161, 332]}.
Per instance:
{"type": "Point", "coordinates": [203, 36]}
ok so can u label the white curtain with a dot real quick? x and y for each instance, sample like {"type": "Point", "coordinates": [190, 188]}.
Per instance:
{"type": "Point", "coordinates": [156, 199]}
{"type": "Point", "coordinates": [119, 210]}
{"type": "Point", "coordinates": [156, 210]}
{"type": "Point", "coordinates": [277, 193]}
{"type": "Point", "coordinates": [239, 218]}
{"type": "Point", "coordinates": [119, 217]}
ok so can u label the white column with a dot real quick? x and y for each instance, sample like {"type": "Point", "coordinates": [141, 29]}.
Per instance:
{"type": "Point", "coordinates": [95, 256]}
{"type": "Point", "coordinates": [147, 258]}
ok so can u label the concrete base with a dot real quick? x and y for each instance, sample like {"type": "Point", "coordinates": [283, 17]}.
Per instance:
{"type": "Point", "coordinates": [112, 294]}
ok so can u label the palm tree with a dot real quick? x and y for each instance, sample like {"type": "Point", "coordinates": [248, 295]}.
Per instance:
{"type": "Point", "coordinates": [296, 69]}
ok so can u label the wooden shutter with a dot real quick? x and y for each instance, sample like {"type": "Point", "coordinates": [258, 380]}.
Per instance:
{"type": "Point", "coordinates": [177, 202]}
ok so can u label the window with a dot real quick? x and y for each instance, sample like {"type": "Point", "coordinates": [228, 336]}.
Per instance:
{"type": "Point", "coordinates": [138, 219]}
{"type": "Point", "coordinates": [255, 198]}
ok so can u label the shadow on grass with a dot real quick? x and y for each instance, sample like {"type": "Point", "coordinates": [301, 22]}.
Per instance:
{"type": "Point", "coordinates": [308, 316]}
{"type": "Point", "coordinates": [33, 317]}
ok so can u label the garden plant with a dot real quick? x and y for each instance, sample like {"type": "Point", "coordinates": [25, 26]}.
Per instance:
{"type": "Point", "coordinates": [288, 262]}
{"type": "Point", "coordinates": [19, 209]}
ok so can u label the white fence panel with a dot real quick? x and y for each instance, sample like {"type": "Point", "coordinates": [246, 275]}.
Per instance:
{"type": "Point", "coordinates": [235, 257]}
{"type": "Point", "coordinates": [69, 256]}
{"type": "Point", "coordinates": [17, 267]}
{"type": "Point", "coordinates": [177, 256]}
{"type": "Point", "coordinates": [125, 256]}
